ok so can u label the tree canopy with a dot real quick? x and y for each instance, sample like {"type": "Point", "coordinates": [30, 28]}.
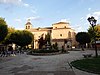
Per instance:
{"type": "Point", "coordinates": [3, 29]}
{"type": "Point", "coordinates": [21, 38]}
{"type": "Point", "coordinates": [41, 42]}
{"type": "Point", "coordinates": [95, 33]}
{"type": "Point", "coordinates": [7, 38]}
{"type": "Point", "coordinates": [47, 38]}
{"type": "Point", "coordinates": [83, 37]}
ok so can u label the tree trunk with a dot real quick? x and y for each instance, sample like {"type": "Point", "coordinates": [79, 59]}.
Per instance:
{"type": "Point", "coordinates": [82, 46]}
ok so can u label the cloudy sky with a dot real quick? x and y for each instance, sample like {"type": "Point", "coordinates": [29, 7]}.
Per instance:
{"type": "Point", "coordinates": [43, 13]}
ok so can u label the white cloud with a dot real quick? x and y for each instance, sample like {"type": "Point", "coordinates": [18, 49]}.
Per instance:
{"type": "Point", "coordinates": [65, 20]}
{"type": "Point", "coordinates": [95, 14]}
{"type": "Point", "coordinates": [34, 18]}
{"type": "Point", "coordinates": [89, 9]}
{"type": "Point", "coordinates": [18, 20]}
{"type": "Point", "coordinates": [10, 1]}
{"type": "Point", "coordinates": [9, 5]}
{"type": "Point", "coordinates": [82, 18]}
{"type": "Point", "coordinates": [78, 28]}
{"type": "Point", "coordinates": [26, 5]}
{"type": "Point", "coordinates": [14, 2]}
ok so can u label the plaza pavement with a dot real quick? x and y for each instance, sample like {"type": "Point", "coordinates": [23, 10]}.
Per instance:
{"type": "Point", "coordinates": [42, 65]}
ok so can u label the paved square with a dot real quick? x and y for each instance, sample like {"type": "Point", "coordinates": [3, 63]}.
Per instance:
{"type": "Point", "coordinates": [41, 65]}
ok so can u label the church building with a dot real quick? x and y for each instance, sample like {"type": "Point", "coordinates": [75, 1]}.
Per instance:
{"type": "Point", "coordinates": [60, 33]}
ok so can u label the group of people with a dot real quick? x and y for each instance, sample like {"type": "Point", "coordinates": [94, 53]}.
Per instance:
{"type": "Point", "coordinates": [7, 52]}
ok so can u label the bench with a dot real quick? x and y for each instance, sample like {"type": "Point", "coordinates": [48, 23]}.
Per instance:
{"type": "Point", "coordinates": [87, 55]}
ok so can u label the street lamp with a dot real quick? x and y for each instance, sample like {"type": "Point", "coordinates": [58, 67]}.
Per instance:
{"type": "Point", "coordinates": [92, 22]}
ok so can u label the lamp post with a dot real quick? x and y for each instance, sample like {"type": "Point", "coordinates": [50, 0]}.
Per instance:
{"type": "Point", "coordinates": [92, 22]}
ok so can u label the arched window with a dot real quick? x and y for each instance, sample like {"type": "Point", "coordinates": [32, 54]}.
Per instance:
{"type": "Point", "coordinates": [28, 27]}
{"type": "Point", "coordinates": [69, 34]}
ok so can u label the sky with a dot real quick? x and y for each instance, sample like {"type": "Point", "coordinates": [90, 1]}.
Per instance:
{"type": "Point", "coordinates": [43, 13]}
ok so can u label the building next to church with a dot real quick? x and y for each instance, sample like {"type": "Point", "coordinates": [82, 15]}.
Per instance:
{"type": "Point", "coordinates": [60, 33]}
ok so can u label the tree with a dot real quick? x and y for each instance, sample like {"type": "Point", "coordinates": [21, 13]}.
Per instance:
{"type": "Point", "coordinates": [47, 38]}
{"type": "Point", "coordinates": [21, 38]}
{"type": "Point", "coordinates": [55, 46]}
{"type": "Point", "coordinates": [7, 40]}
{"type": "Point", "coordinates": [41, 42]}
{"type": "Point", "coordinates": [98, 32]}
{"type": "Point", "coordinates": [3, 29]}
{"type": "Point", "coordinates": [83, 38]}
{"type": "Point", "coordinates": [95, 33]}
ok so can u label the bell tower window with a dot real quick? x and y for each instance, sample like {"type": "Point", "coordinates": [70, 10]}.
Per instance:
{"type": "Point", "coordinates": [28, 27]}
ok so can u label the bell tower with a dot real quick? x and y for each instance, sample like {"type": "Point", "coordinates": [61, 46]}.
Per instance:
{"type": "Point", "coordinates": [28, 25]}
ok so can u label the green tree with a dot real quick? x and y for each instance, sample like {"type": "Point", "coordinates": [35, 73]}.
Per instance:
{"type": "Point", "coordinates": [55, 46]}
{"type": "Point", "coordinates": [41, 42]}
{"type": "Point", "coordinates": [48, 38]}
{"type": "Point", "coordinates": [3, 29]}
{"type": "Point", "coordinates": [7, 38]}
{"type": "Point", "coordinates": [83, 38]}
{"type": "Point", "coordinates": [21, 38]}
{"type": "Point", "coordinates": [95, 33]}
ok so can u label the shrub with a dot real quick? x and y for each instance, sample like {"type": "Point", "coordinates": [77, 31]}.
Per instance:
{"type": "Point", "coordinates": [42, 51]}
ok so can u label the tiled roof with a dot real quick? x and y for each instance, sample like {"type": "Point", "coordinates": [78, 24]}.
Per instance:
{"type": "Point", "coordinates": [61, 23]}
{"type": "Point", "coordinates": [39, 29]}
{"type": "Point", "coordinates": [28, 23]}
{"type": "Point", "coordinates": [62, 28]}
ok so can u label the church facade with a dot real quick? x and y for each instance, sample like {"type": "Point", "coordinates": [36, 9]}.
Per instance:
{"type": "Point", "coordinates": [60, 33]}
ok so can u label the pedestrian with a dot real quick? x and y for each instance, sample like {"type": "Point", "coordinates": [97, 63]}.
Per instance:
{"type": "Point", "coordinates": [2, 52]}
{"type": "Point", "coordinates": [10, 49]}
{"type": "Point", "coordinates": [62, 49]}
